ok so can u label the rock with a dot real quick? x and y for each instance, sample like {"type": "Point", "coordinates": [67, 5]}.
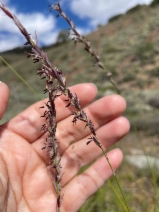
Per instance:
{"type": "Point", "coordinates": [143, 161]}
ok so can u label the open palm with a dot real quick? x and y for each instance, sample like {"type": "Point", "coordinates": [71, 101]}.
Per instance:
{"type": "Point", "coordinates": [26, 180]}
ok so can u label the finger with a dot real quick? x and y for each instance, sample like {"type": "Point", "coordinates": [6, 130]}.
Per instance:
{"type": "Point", "coordinates": [80, 154]}
{"type": "Point", "coordinates": [87, 183]}
{"type": "Point", "coordinates": [28, 123]}
{"type": "Point", "coordinates": [100, 113]}
{"type": "Point", "coordinates": [4, 97]}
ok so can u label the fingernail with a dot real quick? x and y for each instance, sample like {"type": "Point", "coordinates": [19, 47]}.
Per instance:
{"type": "Point", "coordinates": [0, 82]}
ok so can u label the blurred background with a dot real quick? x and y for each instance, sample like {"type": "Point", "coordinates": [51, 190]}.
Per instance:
{"type": "Point", "coordinates": [126, 36]}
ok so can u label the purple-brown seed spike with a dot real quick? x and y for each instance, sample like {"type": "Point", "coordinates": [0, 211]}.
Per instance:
{"type": "Point", "coordinates": [91, 126]}
{"type": "Point", "coordinates": [81, 39]}
{"type": "Point", "coordinates": [5, 10]}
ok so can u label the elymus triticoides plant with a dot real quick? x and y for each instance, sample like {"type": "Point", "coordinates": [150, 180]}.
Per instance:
{"type": "Point", "coordinates": [55, 87]}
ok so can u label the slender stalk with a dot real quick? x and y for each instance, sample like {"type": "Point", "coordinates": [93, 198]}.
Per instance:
{"type": "Point", "coordinates": [20, 77]}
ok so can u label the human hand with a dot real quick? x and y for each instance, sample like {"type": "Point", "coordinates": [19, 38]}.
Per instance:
{"type": "Point", "coordinates": [26, 182]}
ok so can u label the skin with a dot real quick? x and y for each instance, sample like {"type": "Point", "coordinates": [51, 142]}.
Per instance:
{"type": "Point", "coordinates": [25, 177]}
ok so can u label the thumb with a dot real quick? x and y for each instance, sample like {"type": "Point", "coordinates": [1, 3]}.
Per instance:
{"type": "Point", "coordinates": [4, 97]}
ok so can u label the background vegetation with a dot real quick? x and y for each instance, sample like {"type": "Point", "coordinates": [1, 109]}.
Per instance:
{"type": "Point", "coordinates": [129, 48]}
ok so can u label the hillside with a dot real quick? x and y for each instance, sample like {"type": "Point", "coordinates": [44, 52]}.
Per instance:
{"type": "Point", "coordinates": [129, 48]}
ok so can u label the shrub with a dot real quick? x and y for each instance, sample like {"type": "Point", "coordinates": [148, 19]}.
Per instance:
{"type": "Point", "coordinates": [134, 9]}
{"type": "Point", "coordinates": [154, 72]}
{"type": "Point", "coordinates": [154, 102]}
{"type": "Point", "coordinates": [154, 3]}
{"type": "Point", "coordinates": [145, 51]}
{"type": "Point", "coordinates": [114, 18]}
{"type": "Point", "coordinates": [63, 36]}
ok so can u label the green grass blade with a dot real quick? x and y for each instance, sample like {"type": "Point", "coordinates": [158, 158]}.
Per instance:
{"type": "Point", "coordinates": [118, 197]}
{"type": "Point", "coordinates": [21, 78]}
{"type": "Point", "coordinates": [124, 204]}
